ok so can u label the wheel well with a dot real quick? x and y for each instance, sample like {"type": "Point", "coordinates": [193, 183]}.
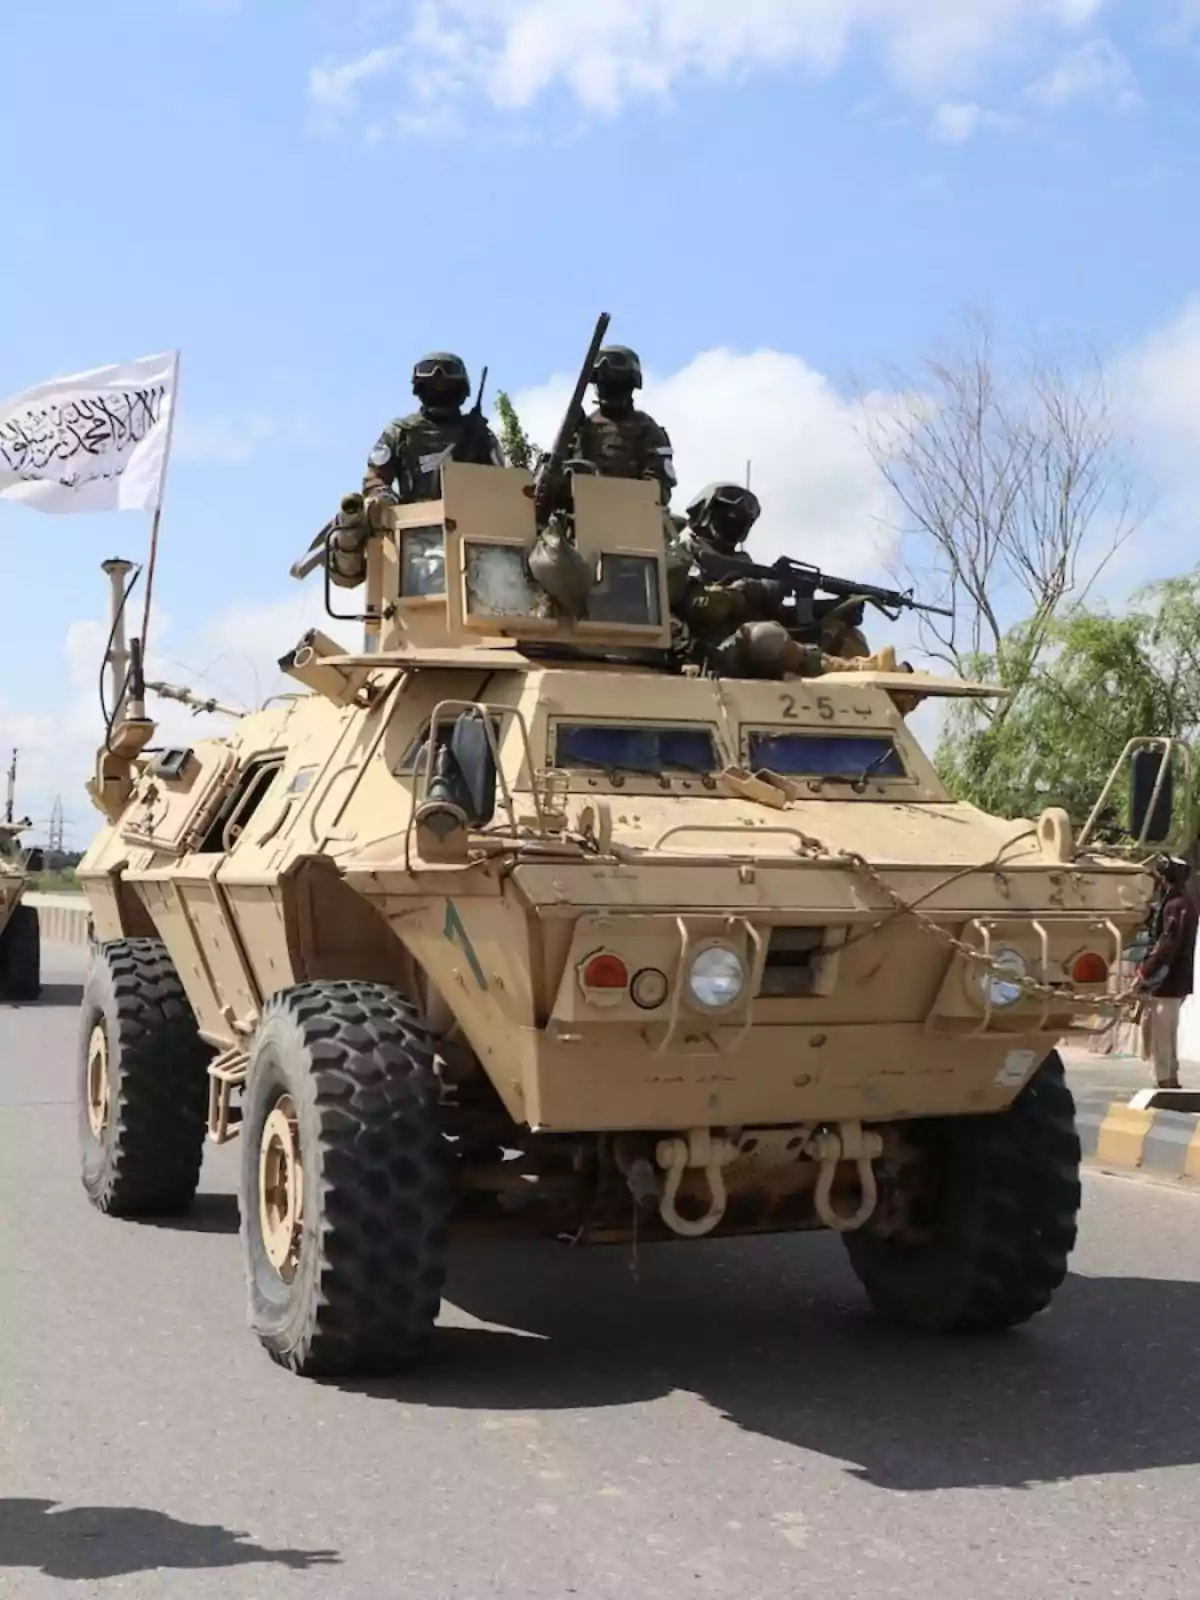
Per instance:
{"type": "Point", "coordinates": [340, 935]}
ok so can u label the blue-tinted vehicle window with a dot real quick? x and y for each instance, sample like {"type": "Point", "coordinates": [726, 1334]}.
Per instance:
{"type": "Point", "coordinates": [823, 755]}
{"type": "Point", "coordinates": [634, 749]}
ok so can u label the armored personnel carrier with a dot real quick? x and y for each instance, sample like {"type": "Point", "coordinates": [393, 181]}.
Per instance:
{"type": "Point", "coordinates": [20, 932]}
{"type": "Point", "coordinates": [501, 924]}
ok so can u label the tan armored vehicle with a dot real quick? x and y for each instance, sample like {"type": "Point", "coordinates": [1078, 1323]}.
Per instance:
{"type": "Point", "coordinates": [20, 933]}
{"type": "Point", "coordinates": [501, 925]}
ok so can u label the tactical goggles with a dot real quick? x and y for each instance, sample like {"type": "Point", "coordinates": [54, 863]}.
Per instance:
{"type": "Point", "coordinates": [733, 498]}
{"type": "Point", "coordinates": [615, 365]}
{"type": "Point", "coordinates": [439, 369]}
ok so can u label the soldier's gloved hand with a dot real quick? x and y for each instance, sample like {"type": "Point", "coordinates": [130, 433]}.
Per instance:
{"type": "Point", "coordinates": [764, 595]}
{"type": "Point", "coordinates": [716, 607]}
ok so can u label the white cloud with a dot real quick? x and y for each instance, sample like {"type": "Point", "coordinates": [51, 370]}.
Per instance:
{"type": "Point", "coordinates": [335, 89]}
{"type": "Point", "coordinates": [822, 496]}
{"type": "Point", "coordinates": [513, 52]}
{"type": "Point", "coordinates": [954, 122]}
{"type": "Point", "coordinates": [232, 657]}
{"type": "Point", "coordinates": [1095, 72]}
{"type": "Point", "coordinates": [1157, 384]}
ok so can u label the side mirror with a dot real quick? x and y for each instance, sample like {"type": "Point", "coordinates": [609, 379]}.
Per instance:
{"type": "Point", "coordinates": [472, 752]}
{"type": "Point", "coordinates": [35, 861]}
{"type": "Point", "coordinates": [1150, 816]}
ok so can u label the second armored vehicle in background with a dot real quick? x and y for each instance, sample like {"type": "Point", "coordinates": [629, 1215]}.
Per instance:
{"type": "Point", "coordinates": [20, 932]}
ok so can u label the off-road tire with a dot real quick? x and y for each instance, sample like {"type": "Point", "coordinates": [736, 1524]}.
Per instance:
{"type": "Point", "coordinates": [146, 1163]}
{"type": "Point", "coordinates": [1003, 1223]}
{"type": "Point", "coordinates": [21, 956]}
{"type": "Point", "coordinates": [371, 1258]}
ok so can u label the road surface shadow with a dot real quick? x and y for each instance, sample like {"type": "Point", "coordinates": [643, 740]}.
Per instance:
{"type": "Point", "coordinates": [90, 1543]}
{"type": "Point", "coordinates": [61, 994]}
{"type": "Point", "coordinates": [53, 996]}
{"type": "Point", "coordinates": [776, 1335]}
{"type": "Point", "coordinates": [210, 1213]}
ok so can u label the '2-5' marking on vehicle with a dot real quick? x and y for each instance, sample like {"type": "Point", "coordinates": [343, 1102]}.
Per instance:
{"type": "Point", "coordinates": [789, 713]}
{"type": "Point", "coordinates": [457, 934]}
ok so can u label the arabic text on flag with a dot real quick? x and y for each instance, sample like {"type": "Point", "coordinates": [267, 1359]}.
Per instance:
{"type": "Point", "coordinates": [93, 442]}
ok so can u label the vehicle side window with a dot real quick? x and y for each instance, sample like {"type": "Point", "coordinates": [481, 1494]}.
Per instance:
{"type": "Point", "coordinates": [240, 804]}
{"type": "Point", "coordinates": [409, 760]}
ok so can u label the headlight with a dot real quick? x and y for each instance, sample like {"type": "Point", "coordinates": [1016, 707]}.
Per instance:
{"type": "Point", "coordinates": [1002, 991]}
{"type": "Point", "coordinates": [716, 977]}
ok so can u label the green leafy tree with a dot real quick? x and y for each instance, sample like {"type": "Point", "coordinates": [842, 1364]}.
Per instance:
{"type": "Point", "coordinates": [1098, 681]}
{"type": "Point", "coordinates": [518, 450]}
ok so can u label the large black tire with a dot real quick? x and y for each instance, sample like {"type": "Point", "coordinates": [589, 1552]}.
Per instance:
{"type": "Point", "coordinates": [21, 955]}
{"type": "Point", "coordinates": [351, 1071]}
{"type": "Point", "coordinates": [999, 1208]}
{"type": "Point", "coordinates": [144, 1161]}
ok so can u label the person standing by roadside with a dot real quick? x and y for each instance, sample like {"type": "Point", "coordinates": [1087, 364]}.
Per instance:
{"type": "Point", "coordinates": [1167, 970]}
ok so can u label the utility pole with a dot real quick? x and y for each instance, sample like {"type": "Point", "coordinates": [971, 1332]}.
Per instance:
{"type": "Point", "coordinates": [57, 827]}
{"type": "Point", "coordinates": [748, 466]}
{"type": "Point", "coordinates": [12, 788]}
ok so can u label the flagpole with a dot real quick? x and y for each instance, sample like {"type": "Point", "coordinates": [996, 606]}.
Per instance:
{"type": "Point", "coordinates": [152, 557]}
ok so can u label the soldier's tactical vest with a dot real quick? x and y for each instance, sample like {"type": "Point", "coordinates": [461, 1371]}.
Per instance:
{"type": "Point", "coordinates": [422, 446]}
{"type": "Point", "coordinates": [415, 448]}
{"type": "Point", "coordinates": [619, 448]}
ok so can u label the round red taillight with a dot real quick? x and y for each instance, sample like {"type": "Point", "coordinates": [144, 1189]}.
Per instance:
{"type": "Point", "coordinates": [605, 971]}
{"type": "Point", "coordinates": [1090, 967]}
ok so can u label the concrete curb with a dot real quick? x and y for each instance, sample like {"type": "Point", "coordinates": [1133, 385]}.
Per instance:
{"type": "Point", "coordinates": [1124, 1137]}
{"type": "Point", "coordinates": [63, 918]}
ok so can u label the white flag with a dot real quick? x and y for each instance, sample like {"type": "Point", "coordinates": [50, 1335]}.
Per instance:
{"type": "Point", "coordinates": [94, 442]}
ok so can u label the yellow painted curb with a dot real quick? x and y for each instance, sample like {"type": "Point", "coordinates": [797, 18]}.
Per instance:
{"type": "Point", "coordinates": [1191, 1167]}
{"type": "Point", "coordinates": [1122, 1136]}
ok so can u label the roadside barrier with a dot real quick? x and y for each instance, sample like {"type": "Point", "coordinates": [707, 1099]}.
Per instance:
{"type": "Point", "coordinates": [1157, 1132]}
{"type": "Point", "coordinates": [63, 917]}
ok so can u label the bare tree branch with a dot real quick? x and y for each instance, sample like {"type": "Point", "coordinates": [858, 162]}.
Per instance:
{"type": "Point", "coordinates": [1013, 489]}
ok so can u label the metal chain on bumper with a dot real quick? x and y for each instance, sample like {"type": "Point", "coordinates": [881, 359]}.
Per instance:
{"type": "Point", "coordinates": [1124, 1002]}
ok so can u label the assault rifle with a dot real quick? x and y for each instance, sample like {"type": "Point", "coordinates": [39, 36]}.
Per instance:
{"type": "Point", "coordinates": [800, 583]}
{"type": "Point", "coordinates": [471, 446]}
{"type": "Point", "coordinates": [550, 480]}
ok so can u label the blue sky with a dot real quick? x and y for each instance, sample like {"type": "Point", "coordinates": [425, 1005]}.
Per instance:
{"type": "Point", "coordinates": [305, 197]}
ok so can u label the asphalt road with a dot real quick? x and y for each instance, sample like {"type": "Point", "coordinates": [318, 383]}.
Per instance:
{"type": "Point", "coordinates": [726, 1421]}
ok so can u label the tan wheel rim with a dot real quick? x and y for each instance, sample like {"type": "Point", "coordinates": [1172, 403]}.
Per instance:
{"type": "Point", "coordinates": [281, 1188]}
{"type": "Point", "coordinates": [97, 1081]}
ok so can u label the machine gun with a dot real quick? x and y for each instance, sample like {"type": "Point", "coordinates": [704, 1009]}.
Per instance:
{"type": "Point", "coordinates": [550, 481]}
{"type": "Point", "coordinates": [800, 583]}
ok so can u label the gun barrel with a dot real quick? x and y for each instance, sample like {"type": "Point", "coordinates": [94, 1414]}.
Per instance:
{"type": "Point", "coordinates": [573, 415]}
{"type": "Point", "coordinates": [802, 578]}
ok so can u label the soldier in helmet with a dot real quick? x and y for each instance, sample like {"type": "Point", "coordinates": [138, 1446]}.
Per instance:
{"type": "Point", "coordinates": [406, 463]}
{"type": "Point", "coordinates": [738, 622]}
{"type": "Point", "coordinates": [720, 517]}
{"type": "Point", "coordinates": [617, 438]}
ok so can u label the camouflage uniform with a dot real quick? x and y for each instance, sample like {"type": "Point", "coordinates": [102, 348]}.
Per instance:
{"type": "Point", "coordinates": [738, 623]}
{"type": "Point", "coordinates": [406, 462]}
{"type": "Point", "coordinates": [617, 439]}
{"type": "Point", "coordinates": [719, 518]}
{"type": "Point", "coordinates": [630, 446]}
{"type": "Point", "coordinates": [405, 465]}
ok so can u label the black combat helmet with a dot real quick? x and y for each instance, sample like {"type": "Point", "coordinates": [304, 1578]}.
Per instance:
{"type": "Point", "coordinates": [617, 367]}
{"type": "Point", "coordinates": [725, 512]}
{"type": "Point", "coordinates": [440, 382]}
{"type": "Point", "coordinates": [617, 373]}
